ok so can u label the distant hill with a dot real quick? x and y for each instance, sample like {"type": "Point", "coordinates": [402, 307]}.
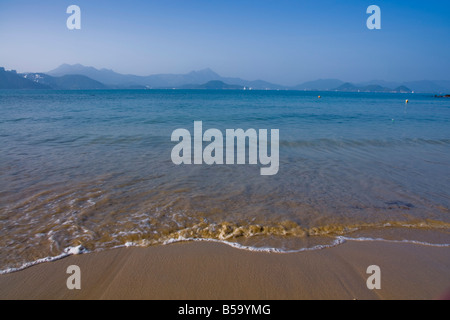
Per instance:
{"type": "Point", "coordinates": [349, 87]}
{"type": "Point", "coordinates": [402, 89]}
{"type": "Point", "coordinates": [256, 84]}
{"type": "Point", "coordinates": [77, 76]}
{"type": "Point", "coordinates": [319, 85]}
{"type": "Point", "coordinates": [66, 82]}
{"type": "Point", "coordinates": [11, 80]}
{"type": "Point", "coordinates": [374, 88]}
{"type": "Point", "coordinates": [105, 76]}
{"type": "Point", "coordinates": [423, 86]}
{"type": "Point", "coordinates": [386, 84]}
{"type": "Point", "coordinates": [118, 80]}
{"type": "Point", "coordinates": [214, 85]}
{"type": "Point", "coordinates": [427, 86]}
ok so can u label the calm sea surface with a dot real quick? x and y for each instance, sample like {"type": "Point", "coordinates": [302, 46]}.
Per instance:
{"type": "Point", "coordinates": [93, 169]}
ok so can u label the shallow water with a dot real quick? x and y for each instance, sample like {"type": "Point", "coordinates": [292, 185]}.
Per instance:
{"type": "Point", "coordinates": [93, 168]}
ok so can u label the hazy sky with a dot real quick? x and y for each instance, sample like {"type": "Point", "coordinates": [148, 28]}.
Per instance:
{"type": "Point", "coordinates": [282, 41]}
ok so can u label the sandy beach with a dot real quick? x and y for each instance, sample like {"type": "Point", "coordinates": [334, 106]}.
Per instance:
{"type": "Point", "coordinates": [207, 270]}
{"type": "Point", "coordinates": [225, 151]}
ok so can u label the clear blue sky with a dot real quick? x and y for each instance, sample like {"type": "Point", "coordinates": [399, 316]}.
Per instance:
{"type": "Point", "coordinates": [283, 41]}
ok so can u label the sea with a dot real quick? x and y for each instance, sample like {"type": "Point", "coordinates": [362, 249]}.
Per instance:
{"type": "Point", "coordinates": [86, 171]}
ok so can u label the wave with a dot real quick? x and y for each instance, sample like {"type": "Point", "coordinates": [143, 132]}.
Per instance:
{"type": "Point", "coordinates": [227, 231]}
{"type": "Point", "coordinates": [334, 241]}
{"type": "Point", "coordinates": [337, 241]}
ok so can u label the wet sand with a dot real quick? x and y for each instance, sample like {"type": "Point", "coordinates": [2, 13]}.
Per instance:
{"type": "Point", "coordinates": [207, 270]}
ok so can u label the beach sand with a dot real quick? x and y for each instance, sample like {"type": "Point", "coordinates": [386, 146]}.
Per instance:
{"type": "Point", "coordinates": [207, 270]}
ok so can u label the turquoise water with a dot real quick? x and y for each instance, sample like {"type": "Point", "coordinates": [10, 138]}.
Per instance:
{"type": "Point", "coordinates": [93, 168]}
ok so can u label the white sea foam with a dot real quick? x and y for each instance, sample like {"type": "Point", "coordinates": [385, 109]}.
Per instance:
{"type": "Point", "coordinates": [75, 250]}
{"type": "Point", "coordinates": [422, 243]}
{"type": "Point", "coordinates": [336, 242]}
{"type": "Point", "coordinates": [67, 252]}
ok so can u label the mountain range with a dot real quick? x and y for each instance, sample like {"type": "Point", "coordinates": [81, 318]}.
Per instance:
{"type": "Point", "coordinates": [65, 82]}
{"type": "Point", "coordinates": [213, 85]}
{"type": "Point", "coordinates": [11, 80]}
{"type": "Point", "coordinates": [348, 87]}
{"type": "Point", "coordinates": [79, 77]}
{"type": "Point", "coordinates": [166, 81]}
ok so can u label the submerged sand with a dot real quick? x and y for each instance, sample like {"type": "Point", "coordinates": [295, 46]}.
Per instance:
{"type": "Point", "coordinates": [207, 270]}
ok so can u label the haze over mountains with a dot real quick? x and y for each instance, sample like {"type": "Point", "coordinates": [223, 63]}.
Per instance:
{"type": "Point", "coordinates": [65, 82]}
{"type": "Point", "coordinates": [73, 77]}
{"type": "Point", "coordinates": [112, 78]}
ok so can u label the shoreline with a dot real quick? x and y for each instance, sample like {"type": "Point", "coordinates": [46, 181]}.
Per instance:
{"type": "Point", "coordinates": [332, 242]}
{"type": "Point", "coordinates": [212, 270]}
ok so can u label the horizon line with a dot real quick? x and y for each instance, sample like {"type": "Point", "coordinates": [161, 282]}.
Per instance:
{"type": "Point", "coordinates": [400, 82]}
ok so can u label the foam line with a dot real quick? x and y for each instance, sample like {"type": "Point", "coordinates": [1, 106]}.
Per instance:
{"type": "Point", "coordinates": [336, 242]}
{"type": "Point", "coordinates": [67, 252]}
{"type": "Point", "coordinates": [422, 243]}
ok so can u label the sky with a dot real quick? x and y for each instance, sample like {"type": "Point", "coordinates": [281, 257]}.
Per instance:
{"type": "Point", "coordinates": [282, 41]}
